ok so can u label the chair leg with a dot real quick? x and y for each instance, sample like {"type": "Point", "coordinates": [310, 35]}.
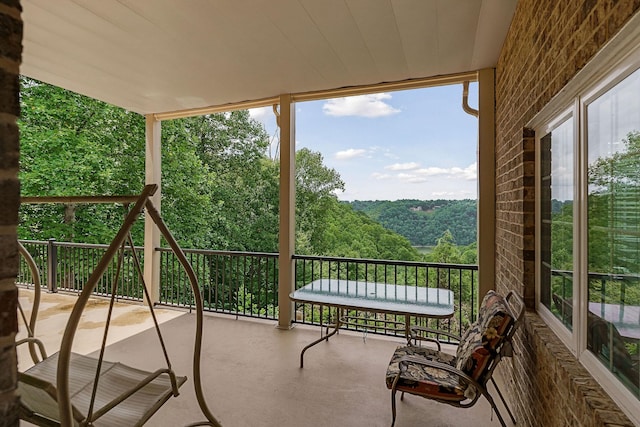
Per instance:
{"type": "Point", "coordinates": [393, 399]}
{"type": "Point", "coordinates": [495, 408]}
{"type": "Point", "coordinates": [393, 408]}
{"type": "Point", "coordinates": [504, 402]}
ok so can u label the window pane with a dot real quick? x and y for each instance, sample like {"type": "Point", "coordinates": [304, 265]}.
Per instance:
{"type": "Point", "coordinates": [613, 132]}
{"type": "Point", "coordinates": [557, 221]}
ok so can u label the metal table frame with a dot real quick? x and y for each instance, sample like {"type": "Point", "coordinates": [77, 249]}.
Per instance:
{"type": "Point", "coordinates": [374, 297]}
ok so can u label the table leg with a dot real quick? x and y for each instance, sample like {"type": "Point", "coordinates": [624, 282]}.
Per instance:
{"type": "Point", "coordinates": [324, 338]}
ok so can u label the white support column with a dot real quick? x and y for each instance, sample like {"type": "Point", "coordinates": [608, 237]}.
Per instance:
{"type": "Point", "coordinates": [287, 240]}
{"type": "Point", "coordinates": [153, 173]}
{"type": "Point", "coordinates": [486, 181]}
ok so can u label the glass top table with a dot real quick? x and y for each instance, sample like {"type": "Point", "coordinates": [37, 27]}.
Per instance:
{"type": "Point", "coordinates": [626, 318]}
{"type": "Point", "coordinates": [370, 296]}
{"type": "Point", "coordinates": [375, 297]}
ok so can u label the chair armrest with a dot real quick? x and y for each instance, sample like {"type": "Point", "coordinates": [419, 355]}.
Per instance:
{"type": "Point", "coordinates": [405, 360]}
{"type": "Point", "coordinates": [416, 330]}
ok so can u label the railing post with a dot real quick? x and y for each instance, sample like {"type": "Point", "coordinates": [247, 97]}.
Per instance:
{"type": "Point", "coordinates": [52, 266]}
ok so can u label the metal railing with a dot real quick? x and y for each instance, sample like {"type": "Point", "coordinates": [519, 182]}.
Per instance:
{"type": "Point", "coordinates": [462, 279]}
{"type": "Point", "coordinates": [39, 252]}
{"type": "Point", "coordinates": [67, 266]}
{"type": "Point", "coordinates": [603, 287]}
{"type": "Point", "coordinates": [238, 283]}
{"type": "Point", "coordinates": [246, 283]}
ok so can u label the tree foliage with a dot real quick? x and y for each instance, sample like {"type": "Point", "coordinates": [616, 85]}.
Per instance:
{"type": "Point", "coordinates": [613, 228]}
{"type": "Point", "coordinates": [352, 234]}
{"type": "Point", "coordinates": [424, 221]}
{"type": "Point", "coordinates": [219, 188]}
{"type": "Point", "coordinates": [614, 222]}
{"type": "Point", "coordinates": [74, 145]}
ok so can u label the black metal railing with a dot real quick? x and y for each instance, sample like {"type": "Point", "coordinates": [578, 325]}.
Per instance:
{"type": "Point", "coordinates": [461, 279]}
{"type": "Point", "coordinates": [246, 283]}
{"type": "Point", "coordinates": [39, 252]}
{"type": "Point", "coordinates": [239, 283]}
{"type": "Point", "coordinates": [67, 266]}
{"type": "Point", "coordinates": [603, 287]}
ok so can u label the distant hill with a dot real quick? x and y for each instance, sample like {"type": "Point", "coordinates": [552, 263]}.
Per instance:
{"type": "Point", "coordinates": [424, 221]}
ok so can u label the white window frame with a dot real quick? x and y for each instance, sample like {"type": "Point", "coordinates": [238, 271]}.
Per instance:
{"type": "Point", "coordinates": [552, 321]}
{"type": "Point", "coordinates": [617, 60]}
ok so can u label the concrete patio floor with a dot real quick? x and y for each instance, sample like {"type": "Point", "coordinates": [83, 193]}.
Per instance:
{"type": "Point", "coordinates": [127, 319]}
{"type": "Point", "coordinates": [250, 370]}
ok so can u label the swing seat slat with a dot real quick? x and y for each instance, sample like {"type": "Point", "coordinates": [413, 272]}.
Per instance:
{"type": "Point", "coordinates": [120, 386]}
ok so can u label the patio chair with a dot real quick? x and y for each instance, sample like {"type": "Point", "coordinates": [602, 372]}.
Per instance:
{"type": "Point", "coordinates": [458, 380]}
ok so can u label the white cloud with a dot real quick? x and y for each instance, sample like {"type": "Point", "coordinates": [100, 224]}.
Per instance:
{"type": "Point", "coordinates": [411, 178]}
{"type": "Point", "coordinates": [433, 171]}
{"type": "Point", "coordinates": [452, 194]}
{"type": "Point", "coordinates": [469, 173]}
{"type": "Point", "coordinates": [378, 175]}
{"type": "Point", "coordinates": [360, 105]}
{"type": "Point", "coordinates": [386, 152]}
{"type": "Point", "coordinates": [416, 179]}
{"type": "Point", "coordinates": [409, 173]}
{"type": "Point", "coordinates": [351, 153]}
{"type": "Point", "coordinates": [403, 166]}
{"type": "Point", "coordinates": [260, 114]}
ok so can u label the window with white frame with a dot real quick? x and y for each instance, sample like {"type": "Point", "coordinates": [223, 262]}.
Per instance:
{"type": "Point", "coordinates": [612, 143]}
{"type": "Point", "coordinates": [556, 220]}
{"type": "Point", "coordinates": [588, 221]}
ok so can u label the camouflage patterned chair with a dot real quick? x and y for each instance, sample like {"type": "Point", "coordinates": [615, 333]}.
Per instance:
{"type": "Point", "coordinates": [459, 379]}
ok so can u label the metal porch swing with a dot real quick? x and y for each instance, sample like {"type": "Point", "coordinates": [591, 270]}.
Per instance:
{"type": "Point", "coordinates": [69, 389]}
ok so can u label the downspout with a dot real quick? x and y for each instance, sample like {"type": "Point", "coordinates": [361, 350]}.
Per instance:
{"type": "Point", "coordinates": [465, 100]}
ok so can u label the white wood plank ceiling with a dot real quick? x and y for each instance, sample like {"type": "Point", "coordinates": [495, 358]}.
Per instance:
{"type": "Point", "coordinates": [154, 56]}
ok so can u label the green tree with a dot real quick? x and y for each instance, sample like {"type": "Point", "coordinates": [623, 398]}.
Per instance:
{"type": "Point", "coordinates": [238, 183]}
{"type": "Point", "coordinates": [446, 250]}
{"type": "Point", "coordinates": [614, 221]}
{"type": "Point", "coordinates": [219, 188]}
{"type": "Point", "coordinates": [67, 148]}
{"type": "Point", "coordinates": [424, 221]}
{"type": "Point", "coordinates": [354, 235]}
{"type": "Point", "coordinates": [315, 195]}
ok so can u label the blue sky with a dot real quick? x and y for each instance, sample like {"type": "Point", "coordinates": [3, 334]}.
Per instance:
{"type": "Point", "coordinates": [414, 144]}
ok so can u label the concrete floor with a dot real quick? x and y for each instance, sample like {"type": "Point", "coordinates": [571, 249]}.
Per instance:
{"type": "Point", "coordinates": [251, 375]}
{"type": "Point", "coordinates": [127, 319]}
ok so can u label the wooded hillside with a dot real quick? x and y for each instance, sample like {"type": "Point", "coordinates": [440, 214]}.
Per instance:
{"type": "Point", "coordinates": [423, 222]}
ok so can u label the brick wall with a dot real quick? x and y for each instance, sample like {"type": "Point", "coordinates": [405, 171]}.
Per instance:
{"type": "Point", "coordinates": [10, 57]}
{"type": "Point", "coordinates": [553, 389]}
{"type": "Point", "coordinates": [548, 42]}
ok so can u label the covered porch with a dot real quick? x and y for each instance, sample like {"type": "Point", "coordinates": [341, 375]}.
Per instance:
{"type": "Point", "coordinates": [250, 370]}
{"type": "Point", "coordinates": [172, 60]}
